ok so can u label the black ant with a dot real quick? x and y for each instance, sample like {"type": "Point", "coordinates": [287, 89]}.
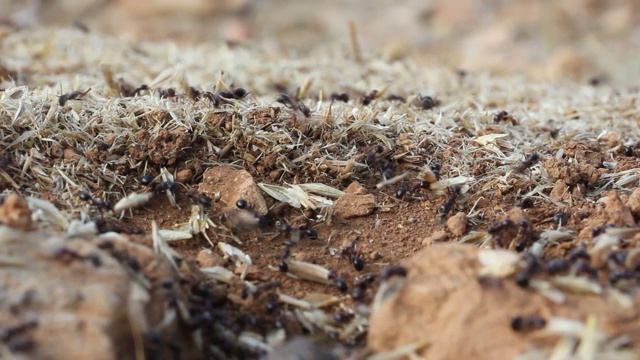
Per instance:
{"type": "Point", "coordinates": [435, 169]}
{"type": "Point", "coordinates": [167, 93]}
{"type": "Point", "coordinates": [360, 288]}
{"type": "Point", "coordinates": [62, 99]}
{"type": "Point", "coordinates": [393, 97]}
{"type": "Point", "coordinates": [525, 203]}
{"type": "Point", "coordinates": [531, 266]}
{"type": "Point", "coordinates": [391, 271]}
{"type": "Point", "coordinates": [499, 226]}
{"type": "Point", "coordinates": [527, 323]}
{"type": "Point", "coordinates": [166, 186]}
{"type": "Point", "coordinates": [503, 116]}
{"type": "Point", "coordinates": [295, 104]}
{"type": "Point", "coordinates": [528, 162]}
{"type": "Point", "coordinates": [367, 99]}
{"type": "Point", "coordinates": [555, 266]}
{"type": "Point", "coordinates": [67, 255]}
{"type": "Point", "coordinates": [344, 97]}
{"type": "Point", "coordinates": [354, 257]}
{"type": "Point", "coordinates": [561, 218]}
{"type": "Point", "coordinates": [401, 192]}
{"type": "Point", "coordinates": [524, 235]}
{"type": "Point", "coordinates": [445, 208]}
{"type": "Point", "coordinates": [201, 199]}
{"type": "Point", "coordinates": [579, 253]}
{"type": "Point", "coordinates": [98, 203]}
{"type": "Point", "coordinates": [339, 281]}
{"type": "Point", "coordinates": [372, 156]}
{"type": "Point", "coordinates": [387, 171]}
{"type": "Point", "coordinates": [11, 332]}
{"type": "Point", "coordinates": [427, 102]}
{"type": "Point", "coordinates": [422, 184]}
{"type": "Point", "coordinates": [224, 96]}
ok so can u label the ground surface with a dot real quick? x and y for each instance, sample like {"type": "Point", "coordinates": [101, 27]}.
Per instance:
{"type": "Point", "coordinates": [106, 136]}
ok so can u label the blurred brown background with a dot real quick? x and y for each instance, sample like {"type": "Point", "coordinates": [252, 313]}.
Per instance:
{"type": "Point", "coordinates": [580, 39]}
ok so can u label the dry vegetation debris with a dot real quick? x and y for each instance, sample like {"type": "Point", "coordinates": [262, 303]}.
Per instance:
{"type": "Point", "coordinates": [255, 155]}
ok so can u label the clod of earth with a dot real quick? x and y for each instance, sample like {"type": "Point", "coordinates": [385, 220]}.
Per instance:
{"type": "Point", "coordinates": [446, 306]}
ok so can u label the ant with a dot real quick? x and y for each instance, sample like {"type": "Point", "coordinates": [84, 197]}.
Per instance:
{"type": "Point", "coordinates": [62, 99]}
{"type": "Point", "coordinates": [387, 171]}
{"type": "Point", "coordinates": [531, 266]}
{"type": "Point", "coordinates": [217, 99]}
{"type": "Point", "coordinates": [555, 266]}
{"type": "Point", "coordinates": [393, 97]}
{"type": "Point", "coordinates": [67, 255]}
{"type": "Point", "coordinates": [367, 99]}
{"type": "Point", "coordinates": [201, 199]}
{"type": "Point", "coordinates": [295, 104]}
{"type": "Point", "coordinates": [527, 323]}
{"type": "Point", "coordinates": [445, 208]}
{"type": "Point", "coordinates": [339, 281]}
{"type": "Point", "coordinates": [360, 288]}
{"type": "Point", "coordinates": [422, 184]}
{"type": "Point", "coordinates": [371, 156]}
{"type": "Point", "coordinates": [344, 97]}
{"type": "Point", "coordinates": [524, 234]}
{"type": "Point", "coordinates": [166, 186]}
{"type": "Point", "coordinates": [391, 271]}
{"type": "Point", "coordinates": [528, 162]}
{"type": "Point", "coordinates": [167, 93]}
{"type": "Point", "coordinates": [401, 192]}
{"type": "Point", "coordinates": [354, 257]}
{"type": "Point", "coordinates": [427, 102]}
{"type": "Point", "coordinates": [525, 203]}
{"type": "Point", "coordinates": [560, 218]}
{"type": "Point", "coordinates": [503, 116]}
{"type": "Point", "coordinates": [499, 226]}
{"type": "Point", "coordinates": [98, 203]}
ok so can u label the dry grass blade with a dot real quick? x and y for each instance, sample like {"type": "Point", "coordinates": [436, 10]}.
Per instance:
{"type": "Point", "coordinates": [309, 271]}
{"type": "Point", "coordinates": [161, 247]}
{"type": "Point", "coordinates": [46, 211]}
{"type": "Point", "coordinates": [498, 263]}
{"type": "Point", "coordinates": [131, 201]}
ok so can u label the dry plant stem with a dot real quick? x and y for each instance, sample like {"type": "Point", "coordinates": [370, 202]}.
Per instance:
{"type": "Point", "coordinates": [355, 45]}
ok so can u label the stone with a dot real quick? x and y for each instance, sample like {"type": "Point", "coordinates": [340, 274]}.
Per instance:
{"type": "Point", "coordinates": [233, 184]}
{"type": "Point", "coordinates": [443, 305]}
{"type": "Point", "coordinates": [438, 236]}
{"type": "Point", "coordinates": [457, 224]}
{"type": "Point", "coordinates": [88, 305]}
{"type": "Point", "coordinates": [350, 206]}
{"type": "Point", "coordinates": [356, 188]}
{"type": "Point", "coordinates": [207, 258]}
{"type": "Point", "coordinates": [14, 212]}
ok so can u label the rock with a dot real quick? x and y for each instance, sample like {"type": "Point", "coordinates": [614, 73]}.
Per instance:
{"type": "Point", "coordinates": [560, 191]}
{"type": "Point", "coordinates": [84, 301]}
{"type": "Point", "coordinates": [438, 236]}
{"type": "Point", "coordinates": [349, 206]}
{"type": "Point", "coordinates": [184, 176]}
{"type": "Point", "coordinates": [442, 304]}
{"type": "Point", "coordinates": [634, 201]}
{"type": "Point", "coordinates": [208, 258]}
{"type": "Point", "coordinates": [14, 212]}
{"type": "Point", "coordinates": [457, 224]}
{"type": "Point", "coordinates": [356, 188]}
{"type": "Point", "coordinates": [233, 184]}
{"type": "Point", "coordinates": [71, 155]}
{"type": "Point", "coordinates": [616, 212]}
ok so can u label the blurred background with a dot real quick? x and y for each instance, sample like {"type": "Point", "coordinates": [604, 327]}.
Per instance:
{"type": "Point", "coordinates": [586, 40]}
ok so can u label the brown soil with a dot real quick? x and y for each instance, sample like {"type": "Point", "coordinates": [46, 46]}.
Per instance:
{"type": "Point", "coordinates": [504, 147]}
